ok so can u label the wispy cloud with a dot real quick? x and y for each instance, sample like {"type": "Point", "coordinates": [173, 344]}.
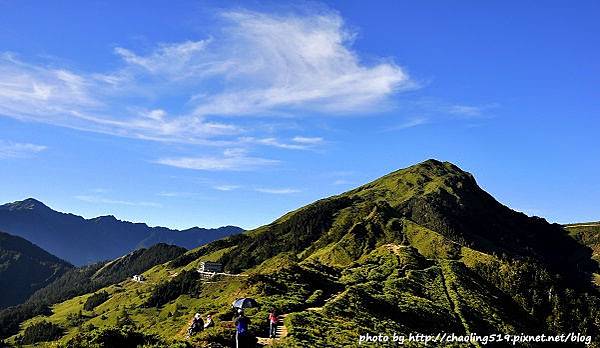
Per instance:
{"type": "Point", "coordinates": [104, 200]}
{"type": "Point", "coordinates": [296, 143]}
{"type": "Point", "coordinates": [256, 64]}
{"type": "Point", "coordinates": [410, 123]}
{"type": "Point", "coordinates": [470, 111]}
{"type": "Point", "coordinates": [277, 191]}
{"type": "Point", "coordinates": [293, 61]}
{"type": "Point", "coordinates": [226, 187]}
{"type": "Point", "coordinates": [308, 140]}
{"type": "Point", "coordinates": [231, 160]}
{"type": "Point", "coordinates": [9, 149]}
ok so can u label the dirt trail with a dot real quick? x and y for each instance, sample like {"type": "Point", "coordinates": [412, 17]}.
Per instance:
{"type": "Point", "coordinates": [282, 332]}
{"type": "Point", "coordinates": [454, 305]}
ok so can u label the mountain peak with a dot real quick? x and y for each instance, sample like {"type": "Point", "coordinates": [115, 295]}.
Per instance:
{"type": "Point", "coordinates": [105, 218]}
{"type": "Point", "coordinates": [26, 204]}
{"type": "Point", "coordinates": [434, 167]}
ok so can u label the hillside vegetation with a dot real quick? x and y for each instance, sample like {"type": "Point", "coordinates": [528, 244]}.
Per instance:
{"type": "Point", "coordinates": [422, 249]}
{"type": "Point", "coordinates": [78, 281]}
{"type": "Point", "coordinates": [25, 268]}
{"type": "Point", "coordinates": [587, 233]}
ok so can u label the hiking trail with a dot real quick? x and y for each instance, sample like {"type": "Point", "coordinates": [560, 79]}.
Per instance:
{"type": "Point", "coordinates": [282, 332]}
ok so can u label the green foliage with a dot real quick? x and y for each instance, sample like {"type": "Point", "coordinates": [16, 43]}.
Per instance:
{"type": "Point", "coordinates": [83, 280]}
{"type": "Point", "coordinates": [292, 233]}
{"type": "Point", "coordinates": [41, 332]}
{"type": "Point", "coordinates": [122, 337]}
{"type": "Point", "coordinates": [75, 319]}
{"type": "Point", "coordinates": [25, 268]}
{"type": "Point", "coordinates": [216, 335]}
{"type": "Point", "coordinates": [12, 317]}
{"type": "Point", "coordinates": [192, 255]}
{"type": "Point", "coordinates": [95, 300]}
{"type": "Point", "coordinates": [587, 234]}
{"type": "Point", "coordinates": [124, 319]}
{"type": "Point", "coordinates": [184, 283]}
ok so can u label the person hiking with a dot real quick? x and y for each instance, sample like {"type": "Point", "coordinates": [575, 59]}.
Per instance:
{"type": "Point", "coordinates": [196, 325]}
{"type": "Point", "coordinates": [241, 330]}
{"type": "Point", "coordinates": [273, 320]}
{"type": "Point", "coordinates": [209, 322]}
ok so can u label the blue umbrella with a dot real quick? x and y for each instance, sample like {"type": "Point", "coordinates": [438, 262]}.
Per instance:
{"type": "Point", "coordinates": [245, 303]}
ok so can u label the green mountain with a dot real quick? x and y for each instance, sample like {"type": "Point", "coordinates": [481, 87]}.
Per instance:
{"type": "Point", "coordinates": [25, 268]}
{"type": "Point", "coordinates": [422, 249]}
{"type": "Point", "coordinates": [82, 280]}
{"type": "Point", "coordinates": [84, 241]}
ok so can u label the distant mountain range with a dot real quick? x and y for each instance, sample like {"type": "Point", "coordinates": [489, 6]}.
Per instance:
{"type": "Point", "coordinates": [25, 268]}
{"type": "Point", "coordinates": [82, 241]}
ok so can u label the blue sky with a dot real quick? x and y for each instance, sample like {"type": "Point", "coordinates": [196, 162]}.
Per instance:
{"type": "Point", "coordinates": [210, 113]}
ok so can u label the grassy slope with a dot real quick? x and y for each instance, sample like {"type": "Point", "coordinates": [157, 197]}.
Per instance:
{"type": "Point", "coordinates": [425, 289]}
{"type": "Point", "coordinates": [355, 263]}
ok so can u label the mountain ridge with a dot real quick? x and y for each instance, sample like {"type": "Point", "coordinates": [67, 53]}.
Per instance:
{"type": "Point", "coordinates": [96, 239]}
{"type": "Point", "coordinates": [25, 268]}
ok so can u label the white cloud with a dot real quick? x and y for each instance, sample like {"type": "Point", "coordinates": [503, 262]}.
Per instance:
{"type": "Point", "coordinates": [174, 60]}
{"type": "Point", "coordinates": [308, 140]}
{"type": "Point", "coordinates": [226, 187]}
{"type": "Point", "coordinates": [470, 111]}
{"type": "Point", "coordinates": [277, 191]}
{"type": "Point", "coordinates": [465, 110]}
{"type": "Point", "coordinates": [10, 149]}
{"type": "Point", "coordinates": [410, 123]}
{"type": "Point", "coordinates": [297, 62]}
{"type": "Point", "coordinates": [296, 143]}
{"type": "Point", "coordinates": [256, 64]}
{"type": "Point", "coordinates": [64, 98]}
{"type": "Point", "coordinates": [231, 160]}
{"type": "Point", "coordinates": [103, 200]}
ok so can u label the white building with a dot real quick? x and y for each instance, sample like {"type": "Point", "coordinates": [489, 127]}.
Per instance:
{"type": "Point", "coordinates": [138, 278]}
{"type": "Point", "coordinates": [210, 267]}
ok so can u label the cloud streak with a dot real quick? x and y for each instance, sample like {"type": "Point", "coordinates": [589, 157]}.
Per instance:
{"type": "Point", "coordinates": [231, 160]}
{"type": "Point", "coordinates": [296, 143]}
{"type": "Point", "coordinates": [226, 187]}
{"type": "Point", "coordinates": [10, 149]}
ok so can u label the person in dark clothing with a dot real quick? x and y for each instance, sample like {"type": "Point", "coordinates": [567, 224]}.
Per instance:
{"type": "Point", "coordinates": [242, 335]}
{"type": "Point", "coordinates": [273, 320]}
{"type": "Point", "coordinates": [196, 325]}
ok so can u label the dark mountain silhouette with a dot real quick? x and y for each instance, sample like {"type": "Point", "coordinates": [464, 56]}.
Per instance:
{"type": "Point", "coordinates": [25, 268]}
{"type": "Point", "coordinates": [83, 241]}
